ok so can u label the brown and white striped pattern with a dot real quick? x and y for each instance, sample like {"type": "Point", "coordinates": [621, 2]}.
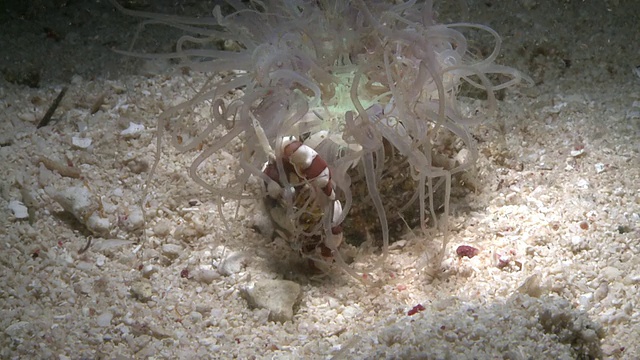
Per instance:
{"type": "Point", "coordinates": [301, 162]}
{"type": "Point", "coordinates": [308, 165]}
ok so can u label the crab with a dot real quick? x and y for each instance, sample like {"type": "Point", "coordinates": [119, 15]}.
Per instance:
{"type": "Point", "coordinates": [299, 192]}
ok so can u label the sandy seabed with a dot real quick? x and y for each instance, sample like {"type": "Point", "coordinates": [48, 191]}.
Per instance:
{"type": "Point", "coordinates": [556, 215]}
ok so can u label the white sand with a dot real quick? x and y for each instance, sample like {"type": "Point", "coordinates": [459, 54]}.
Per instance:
{"type": "Point", "coordinates": [556, 216]}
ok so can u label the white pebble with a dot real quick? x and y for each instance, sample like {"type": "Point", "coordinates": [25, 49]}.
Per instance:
{"type": "Point", "coordinates": [277, 296]}
{"type": "Point", "coordinates": [463, 156]}
{"type": "Point", "coordinates": [206, 276]}
{"type": "Point", "coordinates": [18, 209]}
{"type": "Point", "coordinates": [632, 279]}
{"type": "Point", "coordinates": [142, 290]}
{"type": "Point", "coordinates": [601, 292]}
{"type": "Point", "coordinates": [333, 303]}
{"type": "Point", "coordinates": [171, 251]}
{"type": "Point", "coordinates": [81, 142]}
{"type": "Point", "coordinates": [232, 264]}
{"type": "Point", "coordinates": [195, 316]}
{"type": "Point", "coordinates": [576, 240]}
{"type": "Point", "coordinates": [576, 153]}
{"type": "Point", "coordinates": [582, 184]}
{"type": "Point", "coordinates": [84, 265]}
{"type": "Point", "coordinates": [27, 116]}
{"type": "Point", "coordinates": [350, 312]}
{"type": "Point", "coordinates": [162, 228]}
{"type": "Point", "coordinates": [77, 200]}
{"type": "Point", "coordinates": [611, 273]}
{"type": "Point", "coordinates": [149, 270]}
{"type": "Point", "coordinates": [579, 243]}
{"type": "Point", "coordinates": [15, 330]}
{"type": "Point", "coordinates": [585, 301]}
{"type": "Point", "coordinates": [100, 260]}
{"type": "Point", "coordinates": [98, 225]}
{"type": "Point", "coordinates": [132, 131]}
{"type": "Point", "coordinates": [135, 219]}
{"type": "Point", "coordinates": [118, 192]}
{"type": "Point", "coordinates": [80, 202]}
{"type": "Point", "coordinates": [104, 319]}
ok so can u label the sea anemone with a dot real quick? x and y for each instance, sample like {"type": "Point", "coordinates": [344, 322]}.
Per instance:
{"type": "Point", "coordinates": [365, 85]}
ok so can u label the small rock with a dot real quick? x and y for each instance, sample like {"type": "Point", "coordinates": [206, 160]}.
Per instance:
{"type": "Point", "coordinates": [195, 316]}
{"type": "Point", "coordinates": [277, 296]}
{"type": "Point", "coordinates": [79, 201]}
{"type": "Point", "coordinates": [601, 292]}
{"type": "Point", "coordinates": [397, 245]}
{"type": "Point", "coordinates": [18, 209]}
{"type": "Point", "coordinates": [18, 329]}
{"type": "Point", "coordinates": [98, 225]}
{"type": "Point", "coordinates": [578, 244]}
{"type": "Point", "coordinates": [171, 251]}
{"type": "Point", "coordinates": [149, 270]}
{"type": "Point", "coordinates": [138, 166]}
{"type": "Point", "coordinates": [142, 290]}
{"type": "Point", "coordinates": [584, 301]}
{"type": "Point", "coordinates": [134, 220]}
{"type": "Point", "coordinates": [81, 142]}
{"type": "Point", "coordinates": [463, 156]}
{"type": "Point", "coordinates": [611, 273]}
{"type": "Point", "coordinates": [100, 260]}
{"type": "Point", "coordinates": [232, 264]}
{"type": "Point", "coordinates": [206, 276]}
{"type": "Point", "coordinates": [162, 228]}
{"type": "Point", "coordinates": [583, 184]}
{"type": "Point", "coordinates": [134, 130]}
{"type": "Point", "coordinates": [104, 319]}
{"type": "Point", "coordinates": [467, 251]}
{"type": "Point", "coordinates": [532, 286]}
{"type": "Point", "coordinates": [263, 224]}
{"type": "Point", "coordinates": [577, 153]}
{"type": "Point", "coordinates": [350, 312]}
{"type": "Point", "coordinates": [203, 309]}
{"type": "Point", "coordinates": [188, 232]}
